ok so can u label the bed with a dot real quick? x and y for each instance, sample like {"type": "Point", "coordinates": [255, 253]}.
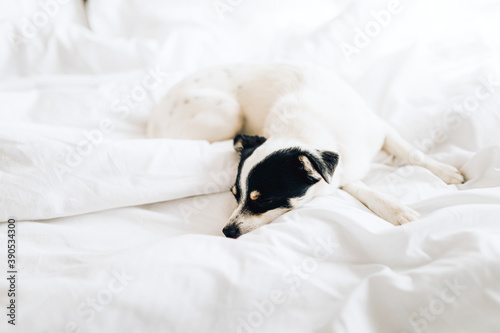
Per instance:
{"type": "Point", "coordinates": [116, 232]}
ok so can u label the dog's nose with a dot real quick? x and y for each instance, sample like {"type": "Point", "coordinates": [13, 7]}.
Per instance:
{"type": "Point", "coordinates": [231, 231]}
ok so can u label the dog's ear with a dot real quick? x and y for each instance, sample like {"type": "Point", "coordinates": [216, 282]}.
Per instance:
{"type": "Point", "coordinates": [321, 165]}
{"type": "Point", "coordinates": [242, 142]}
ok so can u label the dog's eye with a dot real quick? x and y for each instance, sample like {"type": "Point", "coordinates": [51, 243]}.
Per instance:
{"type": "Point", "coordinates": [235, 193]}
{"type": "Point", "coordinates": [265, 201]}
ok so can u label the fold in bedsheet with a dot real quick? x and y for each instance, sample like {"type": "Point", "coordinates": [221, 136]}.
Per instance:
{"type": "Point", "coordinates": [49, 172]}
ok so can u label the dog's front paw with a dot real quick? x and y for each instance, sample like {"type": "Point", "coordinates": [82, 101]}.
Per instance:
{"type": "Point", "coordinates": [400, 214]}
{"type": "Point", "coordinates": [449, 174]}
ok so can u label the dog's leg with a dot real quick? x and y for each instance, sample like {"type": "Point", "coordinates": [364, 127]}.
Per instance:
{"type": "Point", "coordinates": [390, 210]}
{"type": "Point", "coordinates": [395, 145]}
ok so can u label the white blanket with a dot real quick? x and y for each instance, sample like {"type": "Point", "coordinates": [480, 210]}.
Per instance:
{"type": "Point", "coordinates": [119, 233]}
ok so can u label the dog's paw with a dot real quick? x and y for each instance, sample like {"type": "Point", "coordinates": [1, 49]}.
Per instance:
{"type": "Point", "coordinates": [400, 214]}
{"type": "Point", "coordinates": [449, 174]}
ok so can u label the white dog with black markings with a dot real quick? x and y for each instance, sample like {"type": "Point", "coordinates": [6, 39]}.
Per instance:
{"type": "Point", "coordinates": [300, 132]}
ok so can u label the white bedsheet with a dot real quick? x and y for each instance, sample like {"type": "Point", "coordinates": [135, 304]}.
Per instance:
{"type": "Point", "coordinates": [119, 233]}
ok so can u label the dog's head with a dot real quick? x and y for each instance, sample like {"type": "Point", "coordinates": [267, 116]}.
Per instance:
{"type": "Point", "coordinates": [274, 178]}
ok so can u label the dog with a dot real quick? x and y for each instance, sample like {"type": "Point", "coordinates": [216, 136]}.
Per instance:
{"type": "Point", "coordinates": [300, 132]}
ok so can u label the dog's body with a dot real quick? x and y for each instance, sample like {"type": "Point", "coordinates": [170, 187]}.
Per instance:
{"type": "Point", "coordinates": [314, 124]}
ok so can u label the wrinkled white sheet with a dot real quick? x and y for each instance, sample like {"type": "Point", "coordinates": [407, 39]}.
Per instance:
{"type": "Point", "coordinates": [118, 233]}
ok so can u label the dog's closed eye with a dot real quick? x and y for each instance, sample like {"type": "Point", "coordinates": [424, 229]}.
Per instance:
{"type": "Point", "coordinates": [264, 201]}
{"type": "Point", "coordinates": [256, 197]}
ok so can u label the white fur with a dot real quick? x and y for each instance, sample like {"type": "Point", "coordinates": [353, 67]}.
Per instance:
{"type": "Point", "coordinates": [291, 105]}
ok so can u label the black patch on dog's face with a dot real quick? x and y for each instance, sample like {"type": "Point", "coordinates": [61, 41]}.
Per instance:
{"type": "Point", "coordinates": [278, 178]}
